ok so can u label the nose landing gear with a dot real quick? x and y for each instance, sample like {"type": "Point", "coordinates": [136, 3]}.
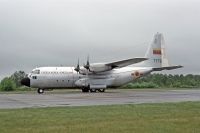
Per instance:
{"type": "Point", "coordinates": [40, 91]}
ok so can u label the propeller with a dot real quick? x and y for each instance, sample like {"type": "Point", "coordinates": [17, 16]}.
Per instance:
{"type": "Point", "coordinates": [87, 66]}
{"type": "Point", "coordinates": [77, 67]}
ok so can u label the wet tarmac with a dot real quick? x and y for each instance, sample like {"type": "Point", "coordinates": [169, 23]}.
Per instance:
{"type": "Point", "coordinates": [110, 97]}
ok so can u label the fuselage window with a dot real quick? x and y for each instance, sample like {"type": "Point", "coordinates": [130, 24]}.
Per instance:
{"type": "Point", "coordinates": [34, 77]}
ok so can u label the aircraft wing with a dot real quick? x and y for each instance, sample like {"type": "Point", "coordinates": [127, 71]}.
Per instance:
{"type": "Point", "coordinates": [102, 67]}
{"type": "Point", "coordinates": [126, 62]}
{"type": "Point", "coordinates": [167, 68]}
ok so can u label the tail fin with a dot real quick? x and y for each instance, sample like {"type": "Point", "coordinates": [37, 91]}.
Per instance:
{"type": "Point", "coordinates": [156, 53]}
{"type": "Point", "coordinates": [157, 58]}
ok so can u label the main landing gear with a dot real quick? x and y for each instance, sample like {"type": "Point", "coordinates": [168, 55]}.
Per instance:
{"type": "Point", "coordinates": [85, 90]}
{"type": "Point", "coordinates": [92, 90]}
{"type": "Point", "coordinates": [101, 90]}
{"type": "Point", "coordinates": [40, 90]}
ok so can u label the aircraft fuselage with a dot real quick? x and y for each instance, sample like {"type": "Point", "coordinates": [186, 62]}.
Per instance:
{"type": "Point", "coordinates": [66, 77]}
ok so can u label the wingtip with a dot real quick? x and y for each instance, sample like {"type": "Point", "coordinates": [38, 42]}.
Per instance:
{"type": "Point", "coordinates": [180, 66]}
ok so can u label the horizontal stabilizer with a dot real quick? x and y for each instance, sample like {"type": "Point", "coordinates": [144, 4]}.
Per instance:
{"type": "Point", "coordinates": [127, 62]}
{"type": "Point", "coordinates": [167, 68]}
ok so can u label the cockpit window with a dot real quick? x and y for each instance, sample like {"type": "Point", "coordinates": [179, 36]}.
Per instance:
{"type": "Point", "coordinates": [36, 71]}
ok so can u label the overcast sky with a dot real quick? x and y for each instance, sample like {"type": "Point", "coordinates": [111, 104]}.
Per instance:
{"type": "Point", "coordinates": [37, 33]}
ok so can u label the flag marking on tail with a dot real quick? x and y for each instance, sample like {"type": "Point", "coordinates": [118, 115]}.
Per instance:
{"type": "Point", "coordinates": [157, 51]}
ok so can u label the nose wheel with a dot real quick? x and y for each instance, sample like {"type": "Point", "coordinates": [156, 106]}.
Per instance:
{"type": "Point", "coordinates": [40, 91]}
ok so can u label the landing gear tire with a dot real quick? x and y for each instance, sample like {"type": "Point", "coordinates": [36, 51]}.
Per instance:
{"type": "Point", "coordinates": [93, 90]}
{"type": "Point", "coordinates": [85, 90]}
{"type": "Point", "coordinates": [101, 90]}
{"type": "Point", "coordinates": [40, 91]}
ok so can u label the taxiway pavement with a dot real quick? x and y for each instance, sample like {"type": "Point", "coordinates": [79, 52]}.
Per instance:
{"type": "Point", "coordinates": [111, 97]}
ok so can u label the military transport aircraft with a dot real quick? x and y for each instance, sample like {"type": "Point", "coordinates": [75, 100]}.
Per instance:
{"type": "Point", "coordinates": [99, 76]}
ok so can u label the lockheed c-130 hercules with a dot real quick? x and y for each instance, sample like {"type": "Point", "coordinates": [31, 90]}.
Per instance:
{"type": "Point", "coordinates": [94, 77]}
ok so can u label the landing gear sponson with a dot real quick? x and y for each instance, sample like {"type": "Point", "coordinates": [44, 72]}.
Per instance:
{"type": "Point", "coordinates": [41, 91]}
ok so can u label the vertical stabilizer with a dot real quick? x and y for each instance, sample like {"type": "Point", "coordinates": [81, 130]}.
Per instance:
{"type": "Point", "coordinates": [156, 53]}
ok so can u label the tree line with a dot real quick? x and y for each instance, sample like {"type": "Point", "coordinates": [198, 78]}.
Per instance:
{"type": "Point", "coordinates": [13, 82]}
{"type": "Point", "coordinates": [151, 81]}
{"type": "Point", "coordinates": [166, 81]}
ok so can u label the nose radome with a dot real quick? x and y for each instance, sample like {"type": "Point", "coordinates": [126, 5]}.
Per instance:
{"type": "Point", "coordinates": [26, 82]}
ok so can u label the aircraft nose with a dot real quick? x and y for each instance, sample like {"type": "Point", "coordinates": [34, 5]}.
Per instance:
{"type": "Point", "coordinates": [26, 82]}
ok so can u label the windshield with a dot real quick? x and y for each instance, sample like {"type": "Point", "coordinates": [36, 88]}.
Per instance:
{"type": "Point", "coordinates": [36, 71]}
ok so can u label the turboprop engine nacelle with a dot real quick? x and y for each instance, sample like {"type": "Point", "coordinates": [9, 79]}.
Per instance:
{"type": "Point", "coordinates": [98, 67]}
{"type": "Point", "coordinates": [95, 68]}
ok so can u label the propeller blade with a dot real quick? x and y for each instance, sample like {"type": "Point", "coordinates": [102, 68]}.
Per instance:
{"type": "Point", "coordinates": [87, 66]}
{"type": "Point", "coordinates": [77, 67]}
